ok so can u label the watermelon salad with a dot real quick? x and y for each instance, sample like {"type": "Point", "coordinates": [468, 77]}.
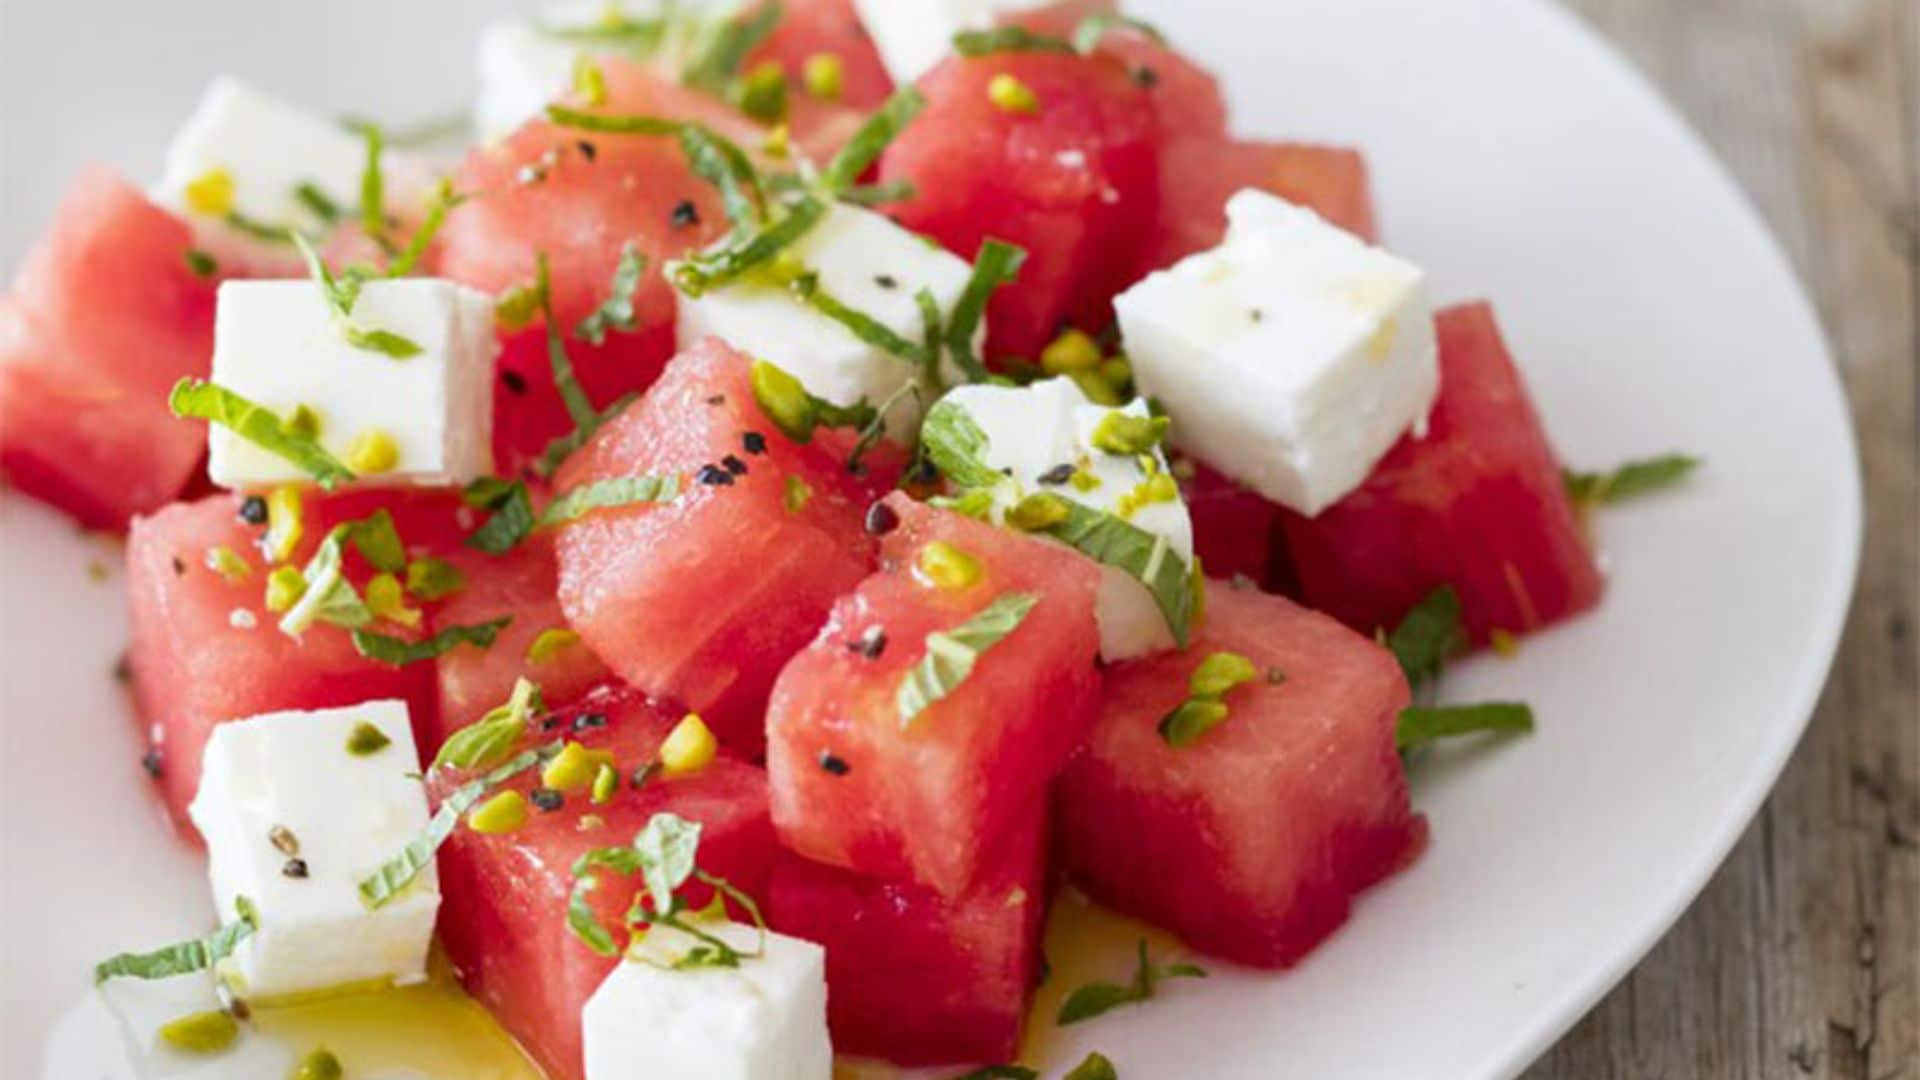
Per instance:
{"type": "Point", "coordinates": [710, 563]}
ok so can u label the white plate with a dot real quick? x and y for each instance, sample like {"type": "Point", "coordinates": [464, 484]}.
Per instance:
{"type": "Point", "coordinates": [1517, 158]}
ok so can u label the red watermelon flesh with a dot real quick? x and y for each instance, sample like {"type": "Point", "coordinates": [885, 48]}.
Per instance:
{"type": "Point", "coordinates": [1075, 183]}
{"type": "Point", "coordinates": [1235, 531]}
{"type": "Point", "coordinates": [703, 600]}
{"type": "Point", "coordinates": [503, 914]}
{"type": "Point", "coordinates": [1186, 95]}
{"type": "Point", "coordinates": [542, 191]}
{"type": "Point", "coordinates": [523, 585]}
{"type": "Point", "coordinates": [1199, 174]}
{"type": "Point", "coordinates": [1250, 842]}
{"type": "Point", "coordinates": [916, 979]}
{"type": "Point", "coordinates": [810, 28]}
{"type": "Point", "coordinates": [927, 801]}
{"type": "Point", "coordinates": [206, 651]}
{"type": "Point", "coordinates": [1479, 504]}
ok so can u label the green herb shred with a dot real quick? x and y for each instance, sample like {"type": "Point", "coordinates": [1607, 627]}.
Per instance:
{"type": "Point", "coordinates": [394, 875]}
{"type": "Point", "coordinates": [1097, 998]}
{"type": "Point", "coordinates": [609, 494]}
{"type": "Point", "coordinates": [616, 311]}
{"type": "Point", "coordinates": [399, 652]}
{"type": "Point", "coordinates": [873, 138]}
{"type": "Point", "coordinates": [1421, 725]}
{"type": "Point", "coordinates": [1630, 480]}
{"type": "Point", "coordinates": [200, 954]}
{"type": "Point", "coordinates": [200, 400]}
{"type": "Point", "coordinates": [951, 654]}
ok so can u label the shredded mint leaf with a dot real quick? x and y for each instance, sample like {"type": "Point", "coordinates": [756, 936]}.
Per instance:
{"type": "Point", "coordinates": [580, 917]}
{"type": "Point", "coordinates": [491, 738]}
{"type": "Point", "coordinates": [952, 654]}
{"type": "Point", "coordinates": [394, 875]}
{"type": "Point", "coordinates": [579, 406]}
{"type": "Point", "coordinates": [615, 31]}
{"type": "Point", "coordinates": [1097, 998]}
{"type": "Point", "coordinates": [974, 44]}
{"type": "Point", "coordinates": [400, 652]}
{"type": "Point", "coordinates": [872, 140]}
{"type": "Point", "coordinates": [721, 48]}
{"type": "Point", "coordinates": [958, 446]}
{"type": "Point", "coordinates": [722, 163]}
{"type": "Point", "coordinates": [1422, 725]}
{"type": "Point", "coordinates": [871, 195]}
{"type": "Point", "coordinates": [998, 263]}
{"type": "Point", "coordinates": [606, 124]}
{"type": "Point", "coordinates": [265, 232]}
{"type": "Point", "coordinates": [444, 201]}
{"type": "Point", "coordinates": [341, 294]}
{"type": "Point", "coordinates": [734, 257]}
{"type": "Point", "coordinates": [378, 541]}
{"type": "Point", "coordinates": [609, 494]}
{"type": "Point", "coordinates": [666, 848]}
{"type": "Point", "coordinates": [373, 188]}
{"type": "Point", "coordinates": [858, 323]}
{"type": "Point", "coordinates": [511, 519]}
{"type": "Point", "coordinates": [1094, 1066]}
{"type": "Point", "coordinates": [1630, 480]}
{"type": "Point", "coordinates": [616, 311]}
{"type": "Point", "coordinates": [317, 202]}
{"type": "Point", "coordinates": [329, 596]}
{"type": "Point", "coordinates": [1429, 636]}
{"type": "Point", "coordinates": [200, 400]}
{"type": "Point", "coordinates": [562, 448]}
{"type": "Point", "coordinates": [1144, 556]}
{"type": "Point", "coordinates": [200, 954]}
{"type": "Point", "coordinates": [1087, 36]}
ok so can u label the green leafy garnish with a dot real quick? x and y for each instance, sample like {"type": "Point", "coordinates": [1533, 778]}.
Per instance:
{"type": "Point", "coordinates": [1097, 998]}
{"type": "Point", "coordinates": [614, 31]}
{"type": "Point", "coordinates": [608, 124]}
{"type": "Point", "coordinates": [1422, 725]}
{"type": "Point", "coordinates": [373, 188]}
{"type": "Point", "coordinates": [952, 654]}
{"type": "Point", "coordinates": [579, 407]}
{"type": "Point", "coordinates": [200, 954]}
{"type": "Point", "coordinates": [200, 264]}
{"type": "Point", "coordinates": [616, 311]}
{"type": "Point", "coordinates": [721, 47]}
{"type": "Point", "coordinates": [317, 202]}
{"type": "Point", "coordinates": [400, 652]}
{"type": "Point", "coordinates": [378, 541]}
{"type": "Point", "coordinates": [721, 162]}
{"type": "Point", "coordinates": [329, 596]}
{"type": "Point", "coordinates": [974, 44]}
{"type": "Point", "coordinates": [394, 875]}
{"type": "Point", "coordinates": [858, 323]}
{"type": "Point", "coordinates": [873, 138]}
{"type": "Point", "coordinates": [201, 400]}
{"type": "Point", "coordinates": [665, 854]}
{"type": "Point", "coordinates": [735, 256]}
{"type": "Point", "coordinates": [797, 413]}
{"type": "Point", "coordinates": [488, 740]}
{"type": "Point", "coordinates": [1094, 1066]}
{"type": "Point", "coordinates": [1429, 636]}
{"type": "Point", "coordinates": [871, 195]}
{"type": "Point", "coordinates": [444, 200]}
{"type": "Point", "coordinates": [510, 518]}
{"type": "Point", "coordinates": [1087, 36]}
{"type": "Point", "coordinates": [1632, 479]}
{"type": "Point", "coordinates": [341, 294]}
{"type": "Point", "coordinates": [997, 264]}
{"type": "Point", "coordinates": [957, 446]}
{"type": "Point", "coordinates": [609, 494]}
{"type": "Point", "coordinates": [430, 579]}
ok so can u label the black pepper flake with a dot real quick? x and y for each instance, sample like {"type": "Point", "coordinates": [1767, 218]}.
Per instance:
{"type": "Point", "coordinates": [588, 151]}
{"type": "Point", "coordinates": [546, 800]}
{"type": "Point", "coordinates": [253, 510]}
{"type": "Point", "coordinates": [179, 566]}
{"type": "Point", "coordinates": [870, 644]}
{"type": "Point", "coordinates": [717, 399]}
{"type": "Point", "coordinates": [921, 472]}
{"type": "Point", "coordinates": [1275, 676]}
{"type": "Point", "coordinates": [881, 519]}
{"type": "Point", "coordinates": [551, 723]}
{"type": "Point", "coordinates": [685, 214]}
{"type": "Point", "coordinates": [754, 442]}
{"type": "Point", "coordinates": [151, 762]}
{"type": "Point", "coordinates": [1057, 475]}
{"type": "Point", "coordinates": [515, 382]}
{"type": "Point", "coordinates": [833, 764]}
{"type": "Point", "coordinates": [283, 840]}
{"type": "Point", "coordinates": [590, 720]}
{"type": "Point", "coordinates": [714, 476]}
{"type": "Point", "coordinates": [295, 868]}
{"type": "Point", "coordinates": [887, 281]}
{"type": "Point", "coordinates": [1145, 77]}
{"type": "Point", "coordinates": [734, 465]}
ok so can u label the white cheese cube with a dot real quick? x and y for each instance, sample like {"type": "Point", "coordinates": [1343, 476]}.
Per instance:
{"type": "Point", "coordinates": [1033, 431]}
{"type": "Point", "coordinates": [870, 265]}
{"type": "Point", "coordinates": [278, 344]}
{"type": "Point", "coordinates": [1291, 358]}
{"type": "Point", "coordinates": [245, 156]}
{"type": "Point", "coordinates": [524, 65]}
{"type": "Point", "coordinates": [763, 1020]}
{"type": "Point", "coordinates": [913, 36]}
{"type": "Point", "coordinates": [284, 786]}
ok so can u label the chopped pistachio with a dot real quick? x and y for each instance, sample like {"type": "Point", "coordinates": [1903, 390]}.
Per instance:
{"type": "Point", "coordinates": [589, 81]}
{"type": "Point", "coordinates": [388, 600]}
{"type": "Point", "coordinates": [211, 193]}
{"type": "Point", "coordinates": [796, 494]}
{"type": "Point", "coordinates": [202, 1032]}
{"type": "Point", "coordinates": [1219, 673]}
{"type": "Point", "coordinates": [433, 579]}
{"type": "Point", "coordinates": [503, 813]}
{"type": "Point", "coordinates": [825, 75]}
{"type": "Point", "coordinates": [286, 523]}
{"type": "Point", "coordinates": [763, 92]}
{"type": "Point", "coordinates": [285, 586]}
{"type": "Point", "coordinates": [366, 740]}
{"type": "Point", "coordinates": [304, 422]}
{"type": "Point", "coordinates": [1036, 512]}
{"type": "Point", "coordinates": [574, 768]}
{"type": "Point", "coordinates": [373, 452]}
{"type": "Point", "coordinates": [1124, 433]}
{"type": "Point", "coordinates": [1098, 390]}
{"type": "Point", "coordinates": [1072, 351]}
{"type": "Point", "coordinates": [1504, 644]}
{"type": "Point", "coordinates": [689, 748]}
{"type": "Point", "coordinates": [551, 643]}
{"type": "Point", "coordinates": [1192, 719]}
{"type": "Point", "coordinates": [318, 1065]}
{"type": "Point", "coordinates": [1009, 94]}
{"type": "Point", "coordinates": [784, 399]}
{"type": "Point", "coordinates": [944, 566]}
{"type": "Point", "coordinates": [228, 564]}
{"type": "Point", "coordinates": [605, 783]}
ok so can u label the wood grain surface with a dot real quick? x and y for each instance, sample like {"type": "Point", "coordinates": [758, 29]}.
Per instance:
{"type": "Point", "coordinates": [1802, 958]}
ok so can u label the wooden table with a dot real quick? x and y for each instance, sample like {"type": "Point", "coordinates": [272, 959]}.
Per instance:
{"type": "Point", "coordinates": [1802, 958]}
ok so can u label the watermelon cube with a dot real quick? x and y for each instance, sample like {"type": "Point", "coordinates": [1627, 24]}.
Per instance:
{"type": "Point", "coordinates": [915, 978]}
{"type": "Point", "coordinates": [703, 599]}
{"type": "Point", "coordinates": [1074, 181]}
{"type": "Point", "coordinates": [1235, 531]}
{"type": "Point", "coordinates": [826, 28]}
{"type": "Point", "coordinates": [523, 585]}
{"type": "Point", "coordinates": [929, 799]}
{"type": "Point", "coordinates": [1185, 95]}
{"type": "Point", "coordinates": [103, 317]}
{"type": "Point", "coordinates": [1250, 841]}
{"type": "Point", "coordinates": [1198, 174]}
{"type": "Point", "coordinates": [1478, 504]}
{"type": "Point", "coordinates": [503, 916]}
{"type": "Point", "coordinates": [206, 650]}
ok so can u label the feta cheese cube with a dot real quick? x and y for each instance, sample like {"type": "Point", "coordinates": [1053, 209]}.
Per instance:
{"type": "Point", "coordinates": [524, 65]}
{"type": "Point", "coordinates": [278, 344]}
{"type": "Point", "coordinates": [243, 157]}
{"type": "Point", "coordinates": [284, 786]}
{"type": "Point", "coordinates": [870, 265]}
{"type": "Point", "coordinates": [1291, 358]}
{"type": "Point", "coordinates": [763, 1020]}
{"type": "Point", "coordinates": [913, 36]}
{"type": "Point", "coordinates": [1033, 431]}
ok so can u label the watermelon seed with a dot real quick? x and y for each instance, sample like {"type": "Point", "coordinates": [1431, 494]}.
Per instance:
{"type": "Point", "coordinates": [881, 519]}
{"type": "Point", "coordinates": [685, 214]}
{"type": "Point", "coordinates": [253, 510]}
{"type": "Point", "coordinates": [295, 868]}
{"type": "Point", "coordinates": [547, 799]}
{"type": "Point", "coordinates": [588, 151]}
{"type": "Point", "coordinates": [833, 764]}
{"type": "Point", "coordinates": [734, 465]}
{"type": "Point", "coordinates": [717, 399]}
{"type": "Point", "coordinates": [150, 761]}
{"type": "Point", "coordinates": [589, 721]}
{"type": "Point", "coordinates": [887, 281]}
{"type": "Point", "coordinates": [179, 567]}
{"type": "Point", "coordinates": [515, 382]}
{"type": "Point", "coordinates": [871, 643]}
{"type": "Point", "coordinates": [754, 442]}
{"type": "Point", "coordinates": [1057, 475]}
{"type": "Point", "coordinates": [1145, 77]}
{"type": "Point", "coordinates": [714, 476]}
